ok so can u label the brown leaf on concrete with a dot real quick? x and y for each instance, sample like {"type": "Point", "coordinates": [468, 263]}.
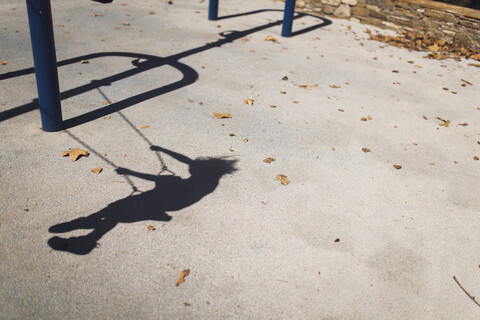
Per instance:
{"type": "Point", "coordinates": [269, 160]}
{"type": "Point", "coordinates": [333, 149]}
{"type": "Point", "coordinates": [145, 126]}
{"type": "Point", "coordinates": [283, 179]}
{"type": "Point", "coordinates": [397, 166]}
{"type": "Point", "coordinates": [467, 82]}
{"type": "Point", "coordinates": [424, 117]}
{"type": "Point", "coordinates": [106, 117]}
{"type": "Point", "coordinates": [334, 86]}
{"type": "Point", "coordinates": [271, 38]}
{"type": "Point", "coordinates": [336, 240]}
{"type": "Point", "coordinates": [97, 170]}
{"type": "Point", "coordinates": [232, 134]}
{"type": "Point", "coordinates": [75, 153]}
{"type": "Point", "coordinates": [341, 110]}
{"type": "Point", "coordinates": [3, 63]}
{"type": "Point", "coordinates": [245, 140]}
{"type": "Point", "coordinates": [245, 39]}
{"type": "Point", "coordinates": [283, 92]}
{"type": "Point", "coordinates": [249, 102]}
{"type": "Point", "coordinates": [463, 124]}
{"type": "Point", "coordinates": [150, 227]}
{"type": "Point", "coordinates": [363, 119]}
{"type": "Point", "coordinates": [181, 279]}
{"type": "Point", "coordinates": [308, 86]}
{"type": "Point", "coordinates": [272, 106]}
{"type": "Point", "coordinates": [369, 118]}
{"type": "Point", "coordinates": [475, 158]}
{"type": "Point", "coordinates": [365, 150]}
{"type": "Point", "coordinates": [222, 115]}
{"type": "Point", "coordinates": [84, 61]}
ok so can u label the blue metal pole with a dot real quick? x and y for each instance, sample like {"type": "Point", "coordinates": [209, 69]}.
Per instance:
{"type": "Point", "coordinates": [288, 18]}
{"type": "Point", "coordinates": [213, 10]}
{"type": "Point", "coordinates": [45, 61]}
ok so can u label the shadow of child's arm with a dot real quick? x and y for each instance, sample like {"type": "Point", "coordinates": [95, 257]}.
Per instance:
{"type": "Point", "coordinates": [145, 176]}
{"type": "Point", "coordinates": [173, 154]}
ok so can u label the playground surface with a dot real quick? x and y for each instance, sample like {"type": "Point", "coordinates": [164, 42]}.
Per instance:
{"type": "Point", "coordinates": [378, 211]}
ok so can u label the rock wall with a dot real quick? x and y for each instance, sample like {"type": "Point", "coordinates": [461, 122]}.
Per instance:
{"type": "Point", "coordinates": [424, 17]}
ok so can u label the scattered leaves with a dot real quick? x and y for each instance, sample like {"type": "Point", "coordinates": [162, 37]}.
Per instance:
{"type": "Point", "coordinates": [271, 38]}
{"type": "Point", "coordinates": [269, 160]}
{"type": "Point", "coordinates": [97, 170]}
{"type": "Point", "coordinates": [145, 126]}
{"type": "Point", "coordinates": [249, 102]}
{"type": "Point", "coordinates": [439, 49]}
{"type": "Point", "coordinates": [365, 150]}
{"type": "Point", "coordinates": [283, 179]}
{"type": "Point", "coordinates": [222, 115]}
{"type": "Point", "coordinates": [397, 166]}
{"type": "Point", "coordinates": [181, 279]}
{"type": "Point", "coordinates": [150, 227]}
{"type": "Point", "coordinates": [75, 153]}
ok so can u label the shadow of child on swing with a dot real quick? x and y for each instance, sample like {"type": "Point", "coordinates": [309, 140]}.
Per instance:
{"type": "Point", "coordinates": [171, 193]}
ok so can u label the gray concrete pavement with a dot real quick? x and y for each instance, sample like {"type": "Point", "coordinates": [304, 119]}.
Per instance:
{"type": "Point", "coordinates": [256, 248]}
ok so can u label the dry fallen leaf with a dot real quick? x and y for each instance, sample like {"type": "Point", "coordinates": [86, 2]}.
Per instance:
{"type": "Point", "coordinates": [397, 166]}
{"type": "Point", "coordinates": [190, 100]}
{"type": "Point", "coordinates": [222, 115]}
{"type": "Point", "coordinates": [249, 102]}
{"type": "Point", "coordinates": [84, 61]}
{"type": "Point", "coordinates": [463, 124]}
{"type": "Point", "coordinates": [245, 140]}
{"type": "Point", "coordinates": [245, 39]}
{"type": "Point", "coordinates": [97, 170]}
{"type": "Point", "coordinates": [75, 153]}
{"type": "Point", "coordinates": [106, 117]}
{"type": "Point", "coordinates": [105, 103]}
{"type": "Point", "coordinates": [333, 149]}
{"type": "Point", "coordinates": [283, 179]}
{"type": "Point", "coordinates": [334, 86]}
{"type": "Point", "coordinates": [369, 118]}
{"type": "Point", "coordinates": [126, 23]}
{"type": "Point", "coordinates": [336, 240]}
{"type": "Point", "coordinates": [424, 117]}
{"type": "Point", "coordinates": [183, 274]}
{"type": "Point", "coordinates": [232, 134]}
{"type": "Point", "coordinates": [252, 51]}
{"type": "Point", "coordinates": [269, 160]}
{"type": "Point", "coordinates": [415, 144]}
{"type": "Point", "coordinates": [283, 92]}
{"type": "Point", "coordinates": [365, 150]}
{"type": "Point", "coordinates": [475, 158]}
{"type": "Point", "coordinates": [271, 38]}
{"type": "Point", "coordinates": [341, 110]}
{"type": "Point", "coordinates": [272, 106]}
{"type": "Point", "coordinates": [3, 63]}
{"type": "Point", "coordinates": [308, 86]}
{"type": "Point", "coordinates": [145, 126]}
{"type": "Point", "coordinates": [151, 12]}
{"type": "Point", "coordinates": [363, 119]}
{"type": "Point", "coordinates": [150, 227]}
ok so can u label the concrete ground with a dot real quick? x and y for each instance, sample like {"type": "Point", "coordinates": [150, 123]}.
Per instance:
{"type": "Point", "coordinates": [350, 236]}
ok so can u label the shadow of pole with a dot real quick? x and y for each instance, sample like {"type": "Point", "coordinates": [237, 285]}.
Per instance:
{"type": "Point", "coordinates": [189, 74]}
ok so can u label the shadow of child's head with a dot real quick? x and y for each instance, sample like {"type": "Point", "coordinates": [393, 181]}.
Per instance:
{"type": "Point", "coordinates": [212, 167]}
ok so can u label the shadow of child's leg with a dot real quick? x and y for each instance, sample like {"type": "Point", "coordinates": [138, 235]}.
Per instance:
{"type": "Point", "coordinates": [83, 244]}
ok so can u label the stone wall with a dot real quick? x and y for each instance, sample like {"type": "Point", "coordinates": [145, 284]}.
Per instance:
{"type": "Point", "coordinates": [423, 17]}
